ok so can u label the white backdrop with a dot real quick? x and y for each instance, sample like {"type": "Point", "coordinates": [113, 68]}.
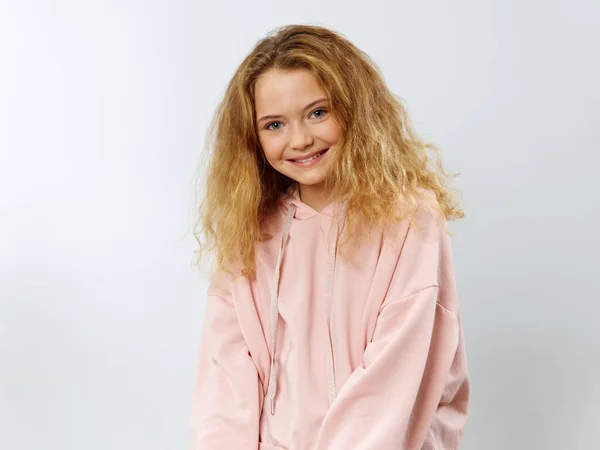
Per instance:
{"type": "Point", "coordinates": [103, 110]}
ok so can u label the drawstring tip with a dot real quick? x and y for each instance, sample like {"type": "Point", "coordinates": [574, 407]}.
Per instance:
{"type": "Point", "coordinates": [272, 399]}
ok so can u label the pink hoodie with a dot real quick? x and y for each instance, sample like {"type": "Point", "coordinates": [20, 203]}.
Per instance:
{"type": "Point", "coordinates": [365, 354]}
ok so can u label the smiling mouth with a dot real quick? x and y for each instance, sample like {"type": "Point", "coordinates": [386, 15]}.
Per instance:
{"type": "Point", "coordinates": [306, 160]}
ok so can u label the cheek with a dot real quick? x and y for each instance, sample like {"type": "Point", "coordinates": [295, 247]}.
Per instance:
{"type": "Point", "coordinates": [271, 148]}
{"type": "Point", "coordinates": [332, 133]}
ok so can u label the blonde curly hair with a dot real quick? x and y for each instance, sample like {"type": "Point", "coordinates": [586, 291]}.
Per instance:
{"type": "Point", "coordinates": [380, 161]}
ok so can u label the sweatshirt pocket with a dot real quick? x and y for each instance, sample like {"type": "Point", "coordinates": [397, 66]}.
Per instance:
{"type": "Point", "coordinates": [262, 446]}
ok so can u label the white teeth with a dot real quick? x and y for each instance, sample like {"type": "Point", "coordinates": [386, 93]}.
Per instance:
{"type": "Point", "coordinates": [309, 159]}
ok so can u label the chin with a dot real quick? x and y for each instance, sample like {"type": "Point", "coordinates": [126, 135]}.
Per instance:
{"type": "Point", "coordinates": [309, 181]}
{"type": "Point", "coordinates": [316, 183]}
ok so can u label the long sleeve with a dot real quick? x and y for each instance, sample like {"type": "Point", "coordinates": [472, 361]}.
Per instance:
{"type": "Point", "coordinates": [226, 401]}
{"type": "Point", "coordinates": [411, 391]}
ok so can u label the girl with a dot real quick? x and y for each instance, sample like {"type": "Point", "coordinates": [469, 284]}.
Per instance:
{"type": "Point", "coordinates": [332, 321]}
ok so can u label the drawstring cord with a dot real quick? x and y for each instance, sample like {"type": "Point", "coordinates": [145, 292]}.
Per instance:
{"type": "Point", "coordinates": [272, 389]}
{"type": "Point", "coordinates": [331, 388]}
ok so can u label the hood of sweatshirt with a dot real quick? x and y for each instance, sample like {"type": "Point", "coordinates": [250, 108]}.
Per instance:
{"type": "Point", "coordinates": [291, 199]}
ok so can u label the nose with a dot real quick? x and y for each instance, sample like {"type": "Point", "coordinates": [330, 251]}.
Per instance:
{"type": "Point", "coordinates": [300, 138]}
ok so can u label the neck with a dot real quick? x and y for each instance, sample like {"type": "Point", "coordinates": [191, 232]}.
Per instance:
{"type": "Point", "coordinates": [314, 196]}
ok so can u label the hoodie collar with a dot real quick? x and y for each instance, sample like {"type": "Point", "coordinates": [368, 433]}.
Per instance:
{"type": "Point", "coordinates": [304, 211]}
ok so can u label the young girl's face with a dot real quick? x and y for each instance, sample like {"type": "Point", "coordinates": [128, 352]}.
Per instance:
{"type": "Point", "coordinates": [295, 128]}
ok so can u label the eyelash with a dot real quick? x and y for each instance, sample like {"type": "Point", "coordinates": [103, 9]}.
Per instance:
{"type": "Point", "coordinates": [271, 123]}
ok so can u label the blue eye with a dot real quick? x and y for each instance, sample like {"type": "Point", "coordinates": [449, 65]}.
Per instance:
{"type": "Point", "coordinates": [321, 110]}
{"type": "Point", "coordinates": [268, 127]}
{"type": "Point", "coordinates": [276, 125]}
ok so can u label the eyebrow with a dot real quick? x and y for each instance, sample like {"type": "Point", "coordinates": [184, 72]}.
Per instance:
{"type": "Point", "coordinates": [310, 105]}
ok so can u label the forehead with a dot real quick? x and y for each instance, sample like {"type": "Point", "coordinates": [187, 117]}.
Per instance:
{"type": "Point", "coordinates": [279, 91]}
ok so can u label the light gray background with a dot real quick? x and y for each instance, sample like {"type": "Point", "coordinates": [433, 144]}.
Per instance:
{"type": "Point", "coordinates": [103, 109]}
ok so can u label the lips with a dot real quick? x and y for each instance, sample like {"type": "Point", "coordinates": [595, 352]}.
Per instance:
{"type": "Point", "coordinates": [309, 155]}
